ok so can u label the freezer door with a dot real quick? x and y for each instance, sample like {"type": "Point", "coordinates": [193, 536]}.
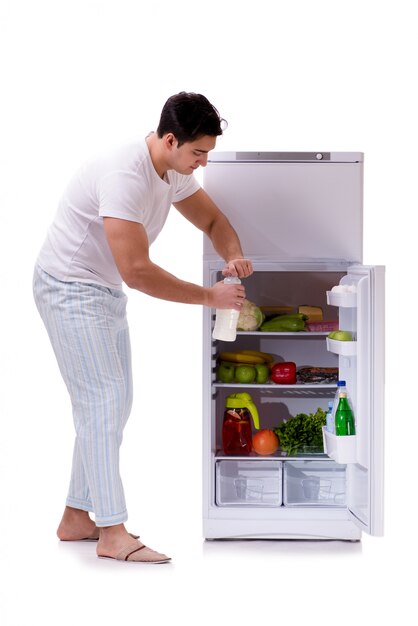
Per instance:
{"type": "Point", "coordinates": [289, 206]}
{"type": "Point", "coordinates": [366, 375]}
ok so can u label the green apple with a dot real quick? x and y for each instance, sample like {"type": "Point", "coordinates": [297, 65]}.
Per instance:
{"type": "Point", "coordinates": [262, 373]}
{"type": "Point", "coordinates": [341, 335]}
{"type": "Point", "coordinates": [245, 374]}
{"type": "Point", "coordinates": [226, 372]}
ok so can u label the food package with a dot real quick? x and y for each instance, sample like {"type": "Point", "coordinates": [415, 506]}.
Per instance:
{"type": "Point", "coordinates": [322, 327]}
{"type": "Point", "coordinates": [313, 313]}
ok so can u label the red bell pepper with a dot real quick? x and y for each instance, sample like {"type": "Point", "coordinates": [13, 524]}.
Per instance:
{"type": "Point", "coordinates": [284, 373]}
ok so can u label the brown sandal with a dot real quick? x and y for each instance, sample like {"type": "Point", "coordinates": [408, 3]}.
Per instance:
{"type": "Point", "coordinates": [137, 552]}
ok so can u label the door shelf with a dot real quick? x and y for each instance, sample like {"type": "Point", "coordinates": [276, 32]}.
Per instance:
{"type": "Point", "coordinates": [347, 300]}
{"type": "Point", "coordinates": [344, 348]}
{"type": "Point", "coordinates": [340, 449]}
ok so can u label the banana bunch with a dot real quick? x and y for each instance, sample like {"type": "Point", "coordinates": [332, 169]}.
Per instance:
{"type": "Point", "coordinates": [246, 357]}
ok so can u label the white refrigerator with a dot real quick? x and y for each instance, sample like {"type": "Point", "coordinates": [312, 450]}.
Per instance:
{"type": "Point", "coordinates": [299, 217]}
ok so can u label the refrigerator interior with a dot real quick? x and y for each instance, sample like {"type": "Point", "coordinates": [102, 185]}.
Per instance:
{"type": "Point", "coordinates": [276, 403]}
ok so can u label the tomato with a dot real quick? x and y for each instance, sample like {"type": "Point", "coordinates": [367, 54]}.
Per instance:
{"type": "Point", "coordinates": [265, 442]}
{"type": "Point", "coordinates": [284, 373]}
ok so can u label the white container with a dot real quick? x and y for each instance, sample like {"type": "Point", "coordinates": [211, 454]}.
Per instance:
{"type": "Point", "coordinates": [248, 483]}
{"type": "Point", "coordinates": [345, 300]}
{"type": "Point", "coordinates": [340, 449]}
{"type": "Point", "coordinates": [314, 484]}
{"type": "Point", "coordinates": [345, 348]}
{"type": "Point", "coordinates": [225, 328]}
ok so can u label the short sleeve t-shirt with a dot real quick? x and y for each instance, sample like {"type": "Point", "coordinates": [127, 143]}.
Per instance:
{"type": "Point", "coordinates": [124, 185]}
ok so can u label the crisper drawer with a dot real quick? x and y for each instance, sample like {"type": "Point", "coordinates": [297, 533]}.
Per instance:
{"type": "Point", "coordinates": [314, 483]}
{"type": "Point", "coordinates": [248, 483]}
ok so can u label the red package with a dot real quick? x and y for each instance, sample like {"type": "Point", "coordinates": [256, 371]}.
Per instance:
{"type": "Point", "coordinates": [321, 327]}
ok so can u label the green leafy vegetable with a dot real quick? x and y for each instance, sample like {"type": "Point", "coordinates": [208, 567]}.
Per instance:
{"type": "Point", "coordinates": [301, 431]}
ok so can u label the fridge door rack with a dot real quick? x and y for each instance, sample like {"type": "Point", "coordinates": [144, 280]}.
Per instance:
{"type": "Point", "coordinates": [344, 348]}
{"type": "Point", "coordinates": [340, 449]}
{"type": "Point", "coordinates": [345, 300]}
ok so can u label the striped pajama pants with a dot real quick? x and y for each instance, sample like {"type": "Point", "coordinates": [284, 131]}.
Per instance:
{"type": "Point", "coordinates": [88, 330]}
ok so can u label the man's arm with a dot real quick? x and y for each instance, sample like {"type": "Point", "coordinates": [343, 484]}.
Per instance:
{"type": "Point", "coordinates": [201, 211]}
{"type": "Point", "coordinates": [128, 242]}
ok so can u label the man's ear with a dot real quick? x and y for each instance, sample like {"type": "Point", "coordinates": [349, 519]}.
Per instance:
{"type": "Point", "coordinates": [170, 141]}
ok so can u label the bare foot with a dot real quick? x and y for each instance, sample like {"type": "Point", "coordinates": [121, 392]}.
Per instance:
{"type": "Point", "coordinates": [116, 543]}
{"type": "Point", "coordinates": [76, 525]}
{"type": "Point", "coordinates": [112, 540]}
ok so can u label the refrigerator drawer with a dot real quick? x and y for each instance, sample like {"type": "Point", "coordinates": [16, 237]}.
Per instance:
{"type": "Point", "coordinates": [248, 483]}
{"type": "Point", "coordinates": [314, 483]}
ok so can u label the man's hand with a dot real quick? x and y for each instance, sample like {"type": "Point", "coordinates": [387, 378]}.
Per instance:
{"type": "Point", "coordinates": [222, 296]}
{"type": "Point", "coordinates": [238, 267]}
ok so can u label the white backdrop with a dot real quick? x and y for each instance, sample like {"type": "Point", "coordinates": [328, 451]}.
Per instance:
{"type": "Point", "coordinates": [78, 76]}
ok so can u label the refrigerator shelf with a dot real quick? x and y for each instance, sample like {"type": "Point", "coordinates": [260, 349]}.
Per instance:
{"type": "Point", "coordinates": [302, 334]}
{"type": "Point", "coordinates": [285, 391]}
{"type": "Point", "coordinates": [277, 386]}
{"type": "Point", "coordinates": [279, 455]}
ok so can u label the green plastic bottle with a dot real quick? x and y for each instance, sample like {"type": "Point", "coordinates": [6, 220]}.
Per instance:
{"type": "Point", "coordinates": [344, 418]}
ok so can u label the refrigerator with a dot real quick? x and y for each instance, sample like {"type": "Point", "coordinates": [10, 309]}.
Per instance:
{"type": "Point", "coordinates": [299, 216]}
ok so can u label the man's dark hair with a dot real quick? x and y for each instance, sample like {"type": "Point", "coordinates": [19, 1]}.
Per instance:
{"type": "Point", "coordinates": [189, 116]}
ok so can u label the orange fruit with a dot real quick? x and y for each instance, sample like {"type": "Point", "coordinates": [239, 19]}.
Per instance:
{"type": "Point", "coordinates": [265, 442]}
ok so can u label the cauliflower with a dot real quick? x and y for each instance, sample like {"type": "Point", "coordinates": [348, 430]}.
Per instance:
{"type": "Point", "coordinates": [251, 316]}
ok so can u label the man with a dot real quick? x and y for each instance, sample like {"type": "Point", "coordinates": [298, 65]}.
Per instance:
{"type": "Point", "coordinates": [111, 212]}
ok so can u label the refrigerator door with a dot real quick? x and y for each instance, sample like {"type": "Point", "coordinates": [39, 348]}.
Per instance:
{"type": "Point", "coordinates": [365, 375]}
{"type": "Point", "coordinates": [290, 205]}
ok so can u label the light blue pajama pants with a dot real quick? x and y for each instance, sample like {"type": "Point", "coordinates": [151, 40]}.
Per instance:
{"type": "Point", "coordinates": [89, 333]}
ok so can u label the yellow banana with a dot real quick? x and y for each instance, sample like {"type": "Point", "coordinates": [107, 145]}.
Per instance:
{"type": "Point", "coordinates": [241, 358]}
{"type": "Point", "coordinates": [268, 358]}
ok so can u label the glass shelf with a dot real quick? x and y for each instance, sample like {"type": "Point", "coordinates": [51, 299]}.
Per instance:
{"type": "Point", "coordinates": [270, 385]}
{"type": "Point", "coordinates": [276, 456]}
{"type": "Point", "coordinates": [302, 334]}
{"type": "Point", "coordinates": [305, 390]}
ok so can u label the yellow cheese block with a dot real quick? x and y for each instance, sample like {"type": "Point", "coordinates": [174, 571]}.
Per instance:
{"type": "Point", "coordinates": [314, 313]}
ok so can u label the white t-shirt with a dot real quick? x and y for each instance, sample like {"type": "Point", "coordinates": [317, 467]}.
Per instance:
{"type": "Point", "coordinates": [123, 185]}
